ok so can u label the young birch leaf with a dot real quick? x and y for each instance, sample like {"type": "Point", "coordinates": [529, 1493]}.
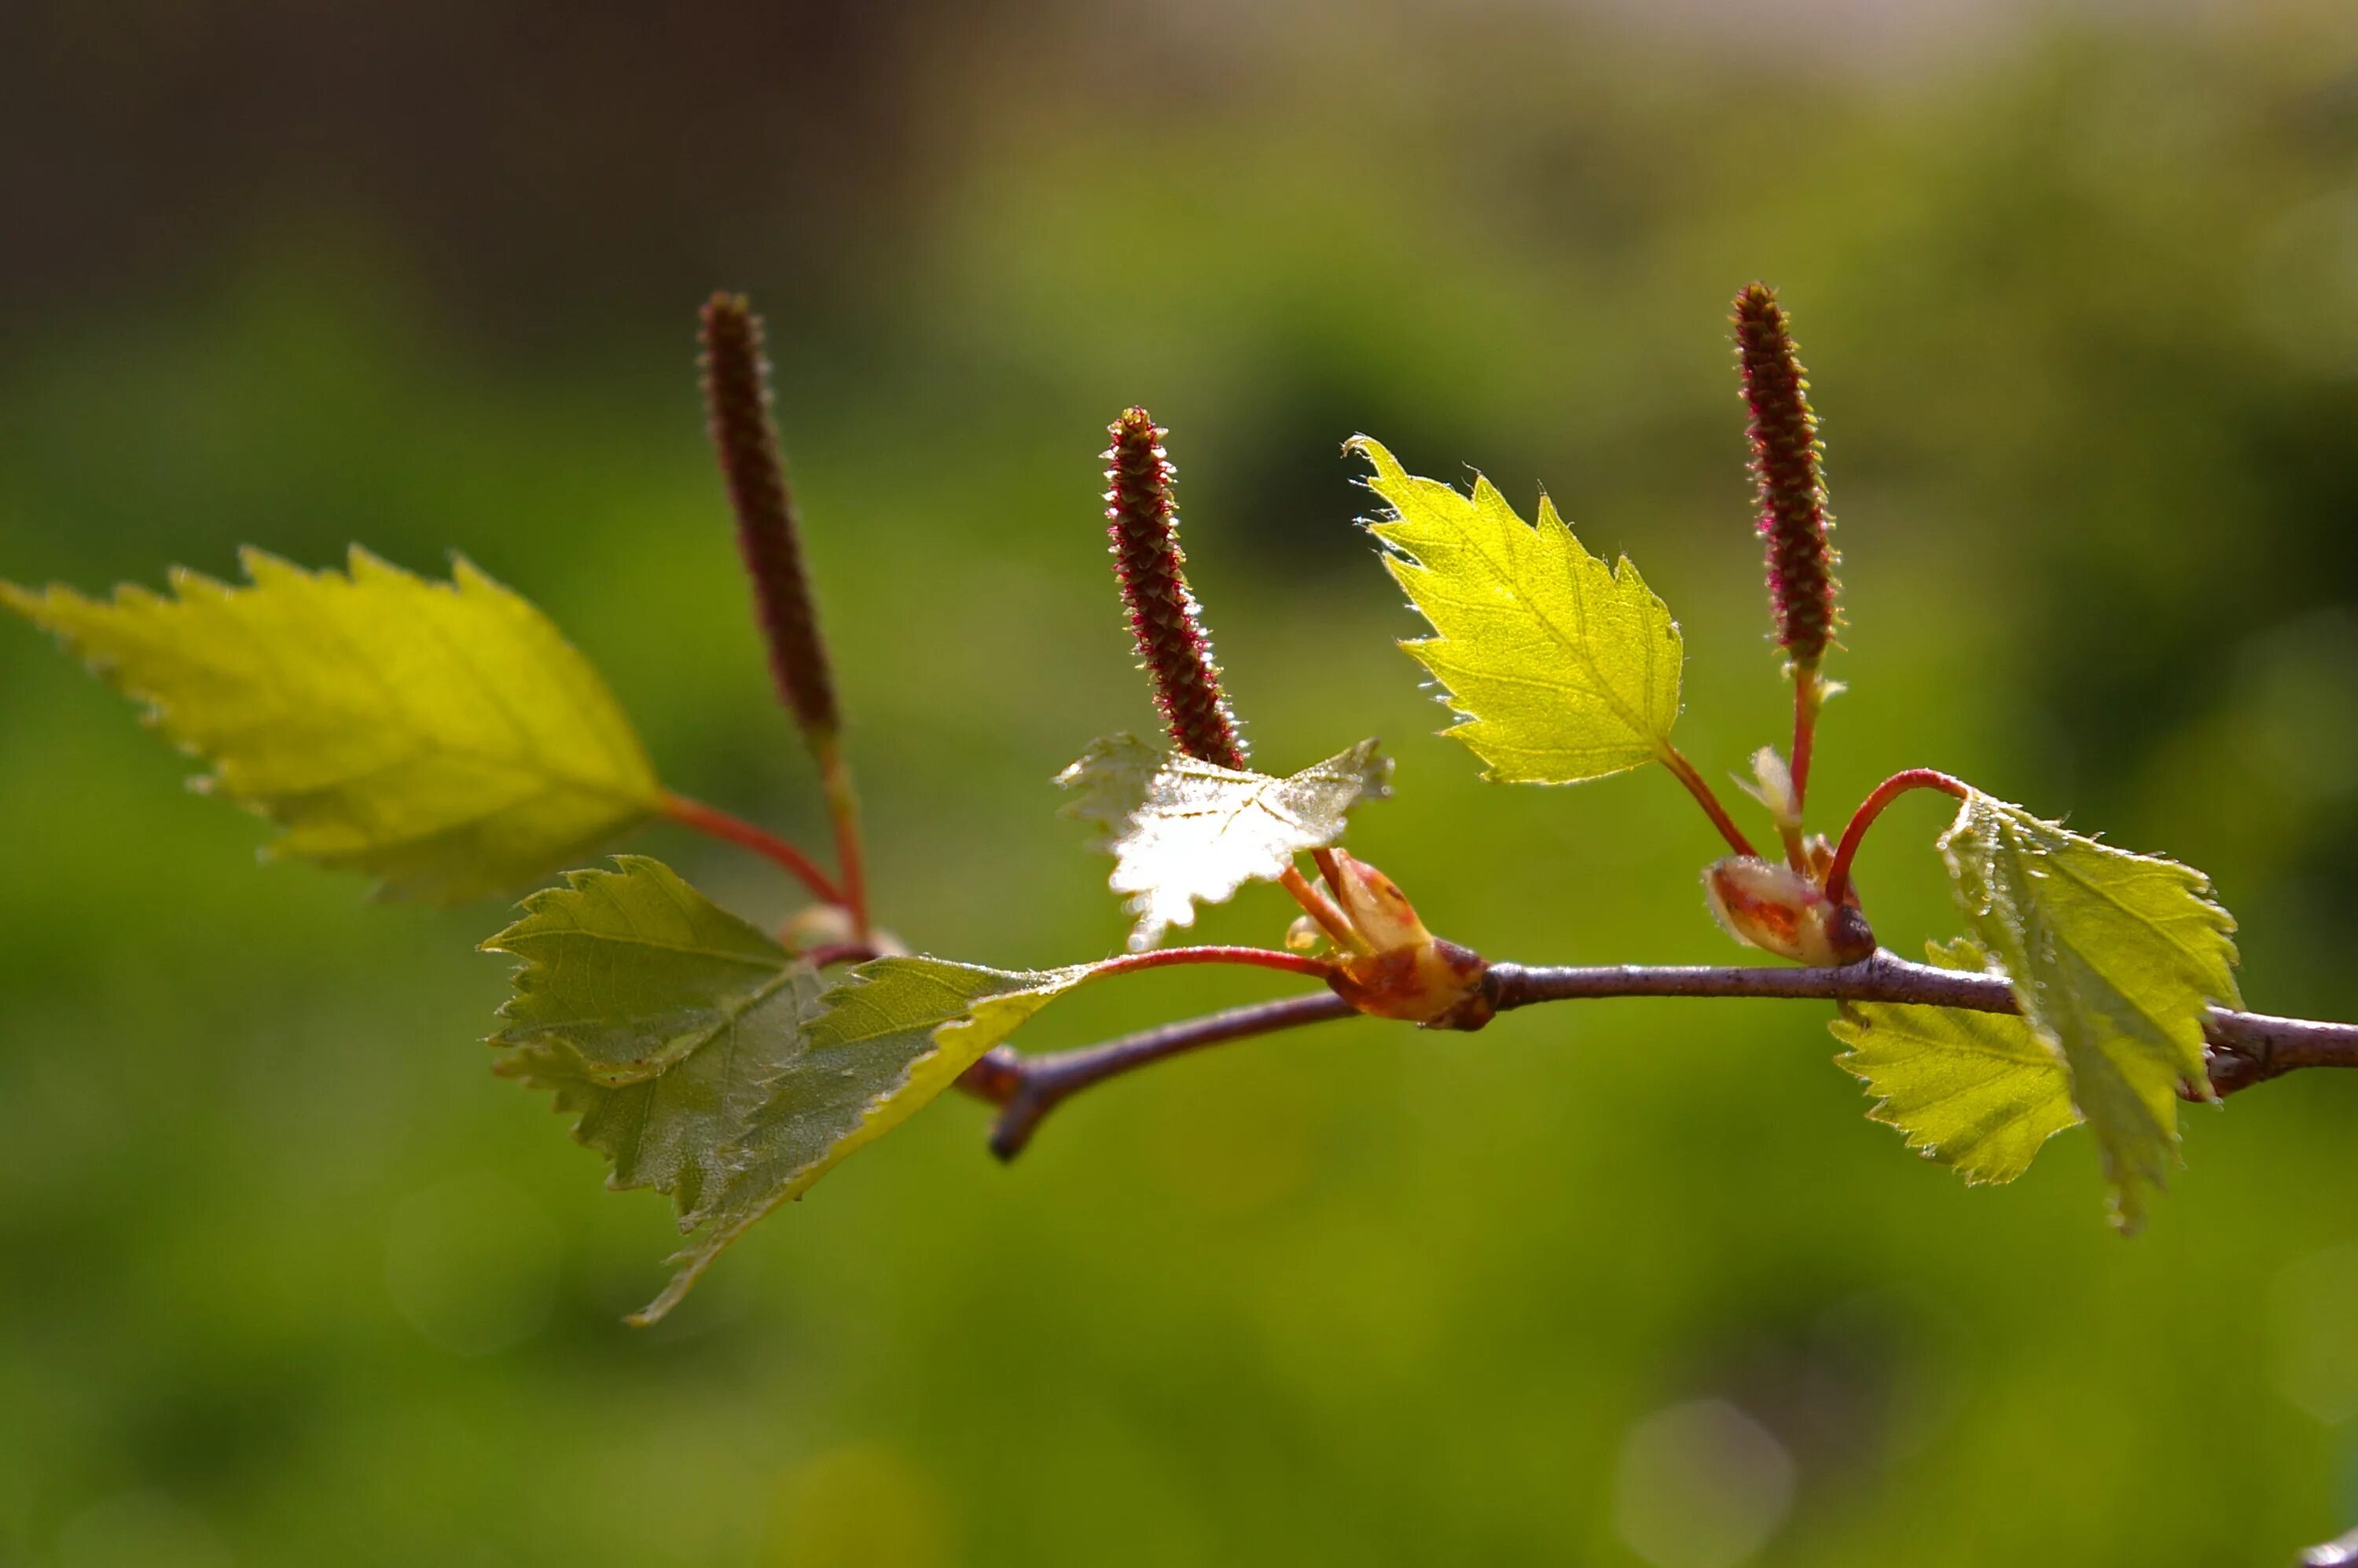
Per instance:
{"type": "Point", "coordinates": [702, 1060]}
{"type": "Point", "coordinates": [442, 736]}
{"type": "Point", "coordinates": [656, 1017]}
{"type": "Point", "coordinates": [1562, 668]}
{"type": "Point", "coordinates": [882, 1043]}
{"type": "Point", "coordinates": [1980, 1092]}
{"type": "Point", "coordinates": [2112, 956]}
{"type": "Point", "coordinates": [1184, 832]}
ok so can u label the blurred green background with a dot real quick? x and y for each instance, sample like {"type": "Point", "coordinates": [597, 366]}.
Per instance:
{"type": "Point", "coordinates": [285, 1276]}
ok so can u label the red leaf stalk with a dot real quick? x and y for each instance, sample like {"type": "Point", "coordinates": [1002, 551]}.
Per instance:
{"type": "Point", "coordinates": [1786, 455]}
{"type": "Point", "coordinates": [1143, 524]}
{"type": "Point", "coordinates": [737, 400]}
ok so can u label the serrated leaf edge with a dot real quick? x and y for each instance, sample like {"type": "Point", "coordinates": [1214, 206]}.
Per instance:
{"type": "Point", "coordinates": [529, 968]}
{"type": "Point", "coordinates": [884, 1112]}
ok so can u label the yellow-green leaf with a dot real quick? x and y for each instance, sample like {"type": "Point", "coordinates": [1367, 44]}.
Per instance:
{"type": "Point", "coordinates": [2115, 958]}
{"type": "Point", "coordinates": [1562, 668]}
{"type": "Point", "coordinates": [881, 1045]}
{"type": "Point", "coordinates": [1184, 832]}
{"type": "Point", "coordinates": [1980, 1092]}
{"type": "Point", "coordinates": [442, 736]}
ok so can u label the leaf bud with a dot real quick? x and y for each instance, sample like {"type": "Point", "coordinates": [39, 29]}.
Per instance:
{"type": "Point", "coordinates": [1774, 789]}
{"type": "Point", "coordinates": [1374, 904]}
{"type": "Point", "coordinates": [1778, 910]}
{"type": "Point", "coordinates": [818, 926]}
{"type": "Point", "coordinates": [1409, 974]}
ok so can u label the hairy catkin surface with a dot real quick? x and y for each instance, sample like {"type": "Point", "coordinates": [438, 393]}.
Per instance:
{"type": "Point", "coordinates": [1143, 525]}
{"type": "Point", "coordinates": [1792, 489]}
{"type": "Point", "coordinates": [737, 402]}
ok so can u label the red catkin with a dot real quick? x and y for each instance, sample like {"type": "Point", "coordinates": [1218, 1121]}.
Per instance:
{"type": "Point", "coordinates": [1143, 524]}
{"type": "Point", "coordinates": [1786, 455]}
{"type": "Point", "coordinates": [737, 404]}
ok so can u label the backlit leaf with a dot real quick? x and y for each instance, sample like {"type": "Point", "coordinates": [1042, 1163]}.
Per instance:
{"type": "Point", "coordinates": [1980, 1092]}
{"type": "Point", "coordinates": [891, 1037]}
{"type": "Point", "coordinates": [705, 1061]}
{"type": "Point", "coordinates": [2115, 958]}
{"type": "Point", "coordinates": [655, 1017]}
{"type": "Point", "coordinates": [1563, 669]}
{"type": "Point", "coordinates": [1184, 832]}
{"type": "Point", "coordinates": [442, 736]}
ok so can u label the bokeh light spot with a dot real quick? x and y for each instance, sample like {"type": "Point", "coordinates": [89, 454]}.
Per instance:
{"type": "Point", "coordinates": [1700, 1485]}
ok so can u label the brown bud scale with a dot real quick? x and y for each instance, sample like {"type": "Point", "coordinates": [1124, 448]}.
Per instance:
{"type": "Point", "coordinates": [1143, 524]}
{"type": "Point", "coordinates": [1786, 456]}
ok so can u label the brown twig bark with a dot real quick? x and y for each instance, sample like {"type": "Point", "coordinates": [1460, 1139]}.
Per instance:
{"type": "Point", "coordinates": [1026, 1088]}
{"type": "Point", "coordinates": [2242, 1048]}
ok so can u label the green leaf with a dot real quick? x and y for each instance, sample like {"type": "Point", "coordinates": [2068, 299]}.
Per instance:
{"type": "Point", "coordinates": [2115, 958]}
{"type": "Point", "coordinates": [890, 1038]}
{"type": "Point", "coordinates": [1980, 1092]}
{"type": "Point", "coordinates": [442, 736]}
{"type": "Point", "coordinates": [1184, 832]}
{"type": "Point", "coordinates": [704, 1060]}
{"type": "Point", "coordinates": [656, 1017]}
{"type": "Point", "coordinates": [1561, 669]}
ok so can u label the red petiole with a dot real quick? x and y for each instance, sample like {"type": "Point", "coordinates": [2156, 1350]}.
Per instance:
{"type": "Point", "coordinates": [718, 823]}
{"type": "Point", "coordinates": [1255, 958]}
{"type": "Point", "coordinates": [1684, 771]}
{"type": "Point", "coordinates": [1808, 694]}
{"type": "Point", "coordinates": [1883, 795]}
{"type": "Point", "coordinates": [843, 809]}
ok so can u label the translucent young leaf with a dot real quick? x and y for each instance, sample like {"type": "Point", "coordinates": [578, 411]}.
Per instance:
{"type": "Point", "coordinates": [2112, 956]}
{"type": "Point", "coordinates": [656, 1017]}
{"type": "Point", "coordinates": [1562, 668]}
{"type": "Point", "coordinates": [442, 736]}
{"type": "Point", "coordinates": [705, 1061]}
{"type": "Point", "coordinates": [1980, 1092]}
{"type": "Point", "coordinates": [881, 1045]}
{"type": "Point", "coordinates": [1184, 832]}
